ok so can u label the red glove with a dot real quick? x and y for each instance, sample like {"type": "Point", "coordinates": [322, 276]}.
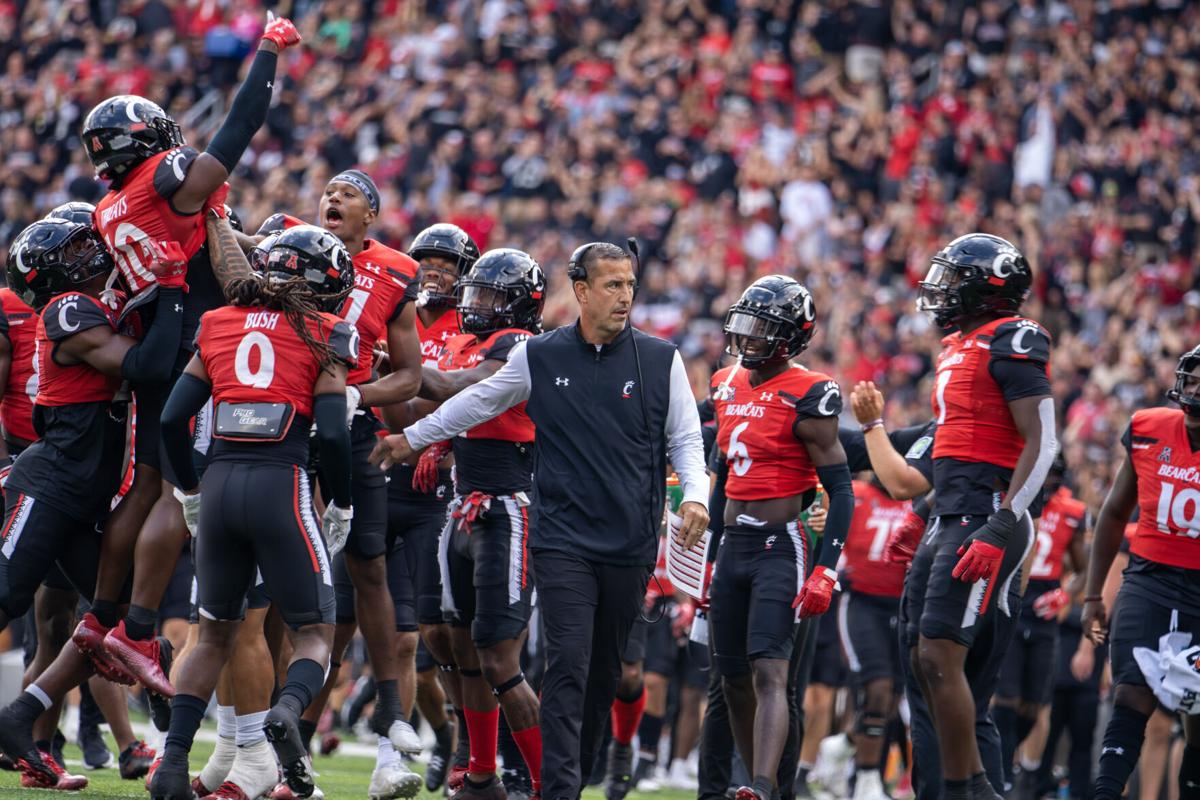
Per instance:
{"type": "Point", "coordinates": [1049, 604]}
{"type": "Point", "coordinates": [216, 201]}
{"type": "Point", "coordinates": [681, 619]}
{"type": "Point", "coordinates": [280, 32]}
{"type": "Point", "coordinates": [473, 506]}
{"type": "Point", "coordinates": [983, 550]}
{"type": "Point", "coordinates": [902, 542]}
{"type": "Point", "coordinates": [817, 592]}
{"type": "Point", "coordinates": [169, 265]}
{"type": "Point", "coordinates": [425, 476]}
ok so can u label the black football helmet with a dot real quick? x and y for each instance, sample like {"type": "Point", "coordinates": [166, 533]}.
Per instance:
{"type": "Point", "coordinates": [505, 288]}
{"type": "Point", "coordinates": [975, 274]}
{"type": "Point", "coordinates": [1186, 391]}
{"type": "Point", "coordinates": [124, 131]}
{"type": "Point", "coordinates": [53, 256]}
{"type": "Point", "coordinates": [776, 310]}
{"type": "Point", "coordinates": [258, 255]}
{"type": "Point", "coordinates": [318, 257]}
{"type": "Point", "coordinates": [76, 211]}
{"type": "Point", "coordinates": [450, 242]}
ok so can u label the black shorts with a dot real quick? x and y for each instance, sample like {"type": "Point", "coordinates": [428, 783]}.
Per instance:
{"type": "Point", "coordinates": [177, 599]}
{"type": "Point", "coordinates": [759, 572]}
{"type": "Point", "coordinates": [400, 587]}
{"type": "Point", "coordinates": [258, 517]}
{"type": "Point", "coordinates": [941, 606]}
{"type": "Point", "coordinates": [37, 536]}
{"type": "Point", "coordinates": [150, 398]}
{"type": "Point", "coordinates": [418, 521]}
{"type": "Point", "coordinates": [1139, 621]}
{"type": "Point", "coordinates": [487, 573]}
{"type": "Point", "coordinates": [829, 663]}
{"type": "Point", "coordinates": [369, 493]}
{"type": "Point", "coordinates": [667, 655]}
{"type": "Point", "coordinates": [869, 629]}
{"type": "Point", "coordinates": [256, 597]}
{"type": "Point", "coordinates": [1032, 660]}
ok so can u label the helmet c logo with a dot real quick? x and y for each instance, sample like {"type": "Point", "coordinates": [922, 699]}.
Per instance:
{"type": "Point", "coordinates": [1002, 265]}
{"type": "Point", "coordinates": [807, 308]}
{"type": "Point", "coordinates": [131, 111]}
{"type": "Point", "coordinates": [20, 254]}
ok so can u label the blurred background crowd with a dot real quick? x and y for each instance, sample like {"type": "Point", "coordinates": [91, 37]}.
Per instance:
{"type": "Point", "coordinates": [840, 142]}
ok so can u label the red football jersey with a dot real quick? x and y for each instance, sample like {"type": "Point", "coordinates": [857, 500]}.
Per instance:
{"type": "Point", "coordinates": [876, 515]}
{"type": "Point", "coordinates": [381, 277]}
{"type": "Point", "coordinates": [466, 351]}
{"type": "Point", "coordinates": [18, 323]}
{"type": "Point", "coordinates": [1168, 479]}
{"type": "Point", "coordinates": [754, 430]}
{"type": "Point", "coordinates": [974, 423]}
{"type": "Point", "coordinates": [62, 318]}
{"type": "Point", "coordinates": [253, 355]}
{"type": "Point", "coordinates": [434, 338]}
{"type": "Point", "coordinates": [1061, 518]}
{"type": "Point", "coordinates": [141, 211]}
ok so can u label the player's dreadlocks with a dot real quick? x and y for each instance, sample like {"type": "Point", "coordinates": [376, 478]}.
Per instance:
{"type": "Point", "coordinates": [299, 304]}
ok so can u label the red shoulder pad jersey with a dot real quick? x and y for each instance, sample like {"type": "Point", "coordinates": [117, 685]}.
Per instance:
{"type": "Point", "coordinates": [1168, 484]}
{"type": "Point", "coordinates": [974, 423]}
{"type": "Point", "coordinates": [434, 338]}
{"type": "Point", "coordinates": [754, 430]}
{"type": "Point", "coordinates": [253, 355]}
{"type": "Point", "coordinates": [381, 278]}
{"type": "Point", "coordinates": [466, 351]}
{"type": "Point", "coordinates": [1060, 519]}
{"type": "Point", "coordinates": [876, 515]}
{"type": "Point", "coordinates": [140, 211]}
{"type": "Point", "coordinates": [62, 318]}
{"type": "Point", "coordinates": [18, 324]}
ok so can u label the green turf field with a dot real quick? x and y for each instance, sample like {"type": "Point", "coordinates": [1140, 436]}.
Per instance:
{"type": "Point", "coordinates": [342, 777]}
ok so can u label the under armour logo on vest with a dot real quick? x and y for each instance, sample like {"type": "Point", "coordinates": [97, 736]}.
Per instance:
{"type": "Point", "coordinates": [562, 381]}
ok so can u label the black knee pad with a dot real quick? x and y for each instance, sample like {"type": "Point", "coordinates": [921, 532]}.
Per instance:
{"type": "Point", "coordinates": [511, 683]}
{"type": "Point", "coordinates": [869, 724]}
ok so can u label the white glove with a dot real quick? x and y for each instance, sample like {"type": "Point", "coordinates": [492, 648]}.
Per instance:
{"type": "Point", "coordinates": [353, 398]}
{"type": "Point", "coordinates": [336, 527]}
{"type": "Point", "coordinates": [191, 509]}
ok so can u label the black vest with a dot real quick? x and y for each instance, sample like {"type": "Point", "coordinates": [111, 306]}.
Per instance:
{"type": "Point", "coordinates": [600, 460]}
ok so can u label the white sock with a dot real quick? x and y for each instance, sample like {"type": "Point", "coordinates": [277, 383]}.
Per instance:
{"type": "Point", "coordinates": [254, 769]}
{"type": "Point", "coordinates": [386, 753]}
{"type": "Point", "coordinates": [219, 763]}
{"type": "Point", "coordinates": [226, 726]}
{"type": "Point", "coordinates": [1029, 766]}
{"type": "Point", "coordinates": [250, 728]}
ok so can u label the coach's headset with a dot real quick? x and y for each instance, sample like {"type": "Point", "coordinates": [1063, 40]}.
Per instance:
{"type": "Point", "coordinates": [577, 271]}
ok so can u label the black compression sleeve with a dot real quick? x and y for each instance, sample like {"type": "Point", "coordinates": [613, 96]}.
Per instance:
{"type": "Point", "coordinates": [835, 478]}
{"type": "Point", "coordinates": [186, 400]}
{"type": "Point", "coordinates": [247, 114]}
{"type": "Point", "coordinates": [151, 359]}
{"type": "Point", "coordinates": [333, 437]}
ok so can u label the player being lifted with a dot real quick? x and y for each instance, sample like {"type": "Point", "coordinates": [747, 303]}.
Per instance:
{"type": "Point", "coordinates": [159, 190]}
{"type": "Point", "coordinates": [1162, 582]}
{"type": "Point", "coordinates": [994, 445]}
{"type": "Point", "coordinates": [777, 427]}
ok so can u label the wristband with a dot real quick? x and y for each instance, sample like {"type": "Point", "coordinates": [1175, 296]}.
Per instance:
{"type": "Point", "coordinates": [877, 423]}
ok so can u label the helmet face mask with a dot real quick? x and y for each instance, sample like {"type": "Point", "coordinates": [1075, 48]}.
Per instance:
{"type": "Point", "coordinates": [505, 288]}
{"type": "Point", "coordinates": [771, 323]}
{"type": "Point", "coordinates": [53, 256]}
{"type": "Point", "coordinates": [937, 294]}
{"type": "Point", "coordinates": [1186, 392]}
{"type": "Point", "coordinates": [316, 256]}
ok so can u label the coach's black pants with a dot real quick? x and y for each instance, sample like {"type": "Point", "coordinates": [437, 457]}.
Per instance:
{"type": "Point", "coordinates": [587, 611]}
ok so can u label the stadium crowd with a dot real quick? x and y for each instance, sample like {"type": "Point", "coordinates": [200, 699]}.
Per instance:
{"type": "Point", "coordinates": [841, 143]}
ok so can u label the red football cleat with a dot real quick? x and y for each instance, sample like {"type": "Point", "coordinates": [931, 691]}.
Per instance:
{"type": "Point", "coordinates": [228, 791]}
{"type": "Point", "coordinates": [89, 640]}
{"type": "Point", "coordinates": [140, 658]}
{"type": "Point", "coordinates": [455, 780]}
{"type": "Point", "coordinates": [35, 776]}
{"type": "Point", "coordinates": [153, 767]}
{"type": "Point", "coordinates": [197, 786]}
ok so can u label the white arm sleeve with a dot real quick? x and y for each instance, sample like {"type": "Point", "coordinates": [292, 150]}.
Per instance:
{"type": "Point", "coordinates": [1047, 449]}
{"type": "Point", "coordinates": [489, 398]}
{"type": "Point", "coordinates": [685, 444]}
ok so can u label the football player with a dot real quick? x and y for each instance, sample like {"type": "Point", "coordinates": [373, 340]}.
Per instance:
{"type": "Point", "coordinates": [62, 487]}
{"type": "Point", "coordinates": [1159, 477]}
{"type": "Point", "coordinates": [994, 446]}
{"type": "Point", "coordinates": [380, 306]}
{"type": "Point", "coordinates": [275, 364]}
{"type": "Point", "coordinates": [868, 620]}
{"type": "Point", "coordinates": [418, 492]}
{"type": "Point", "coordinates": [159, 189]}
{"type": "Point", "coordinates": [487, 585]}
{"type": "Point", "coordinates": [1027, 678]}
{"type": "Point", "coordinates": [777, 428]}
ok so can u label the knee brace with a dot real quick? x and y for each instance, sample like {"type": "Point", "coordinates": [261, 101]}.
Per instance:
{"type": "Point", "coordinates": [870, 724]}
{"type": "Point", "coordinates": [511, 683]}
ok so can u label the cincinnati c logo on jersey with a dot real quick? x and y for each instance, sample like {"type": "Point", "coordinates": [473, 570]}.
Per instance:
{"type": "Point", "coordinates": [1018, 340]}
{"type": "Point", "coordinates": [831, 392]}
{"type": "Point", "coordinates": [627, 390]}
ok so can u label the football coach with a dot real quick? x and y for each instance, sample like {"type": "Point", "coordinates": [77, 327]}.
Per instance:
{"type": "Point", "coordinates": [612, 406]}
